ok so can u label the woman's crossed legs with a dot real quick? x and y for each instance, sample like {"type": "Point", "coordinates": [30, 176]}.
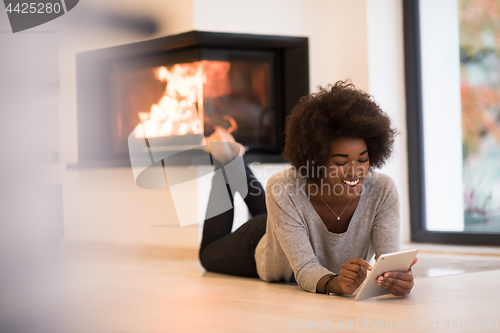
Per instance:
{"type": "Point", "coordinates": [233, 253]}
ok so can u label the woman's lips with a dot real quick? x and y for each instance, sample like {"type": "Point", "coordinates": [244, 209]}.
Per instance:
{"type": "Point", "coordinates": [352, 183]}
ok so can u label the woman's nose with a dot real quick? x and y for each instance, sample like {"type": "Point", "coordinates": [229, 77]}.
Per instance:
{"type": "Point", "coordinates": [355, 171]}
{"type": "Point", "coordinates": [351, 170]}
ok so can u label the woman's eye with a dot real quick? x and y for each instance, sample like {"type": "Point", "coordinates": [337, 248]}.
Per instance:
{"type": "Point", "coordinates": [342, 164]}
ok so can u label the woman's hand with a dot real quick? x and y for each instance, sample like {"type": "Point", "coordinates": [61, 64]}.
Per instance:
{"type": "Point", "coordinates": [351, 276]}
{"type": "Point", "coordinates": [397, 283]}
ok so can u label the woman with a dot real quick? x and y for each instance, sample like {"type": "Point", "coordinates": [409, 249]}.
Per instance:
{"type": "Point", "coordinates": [323, 219]}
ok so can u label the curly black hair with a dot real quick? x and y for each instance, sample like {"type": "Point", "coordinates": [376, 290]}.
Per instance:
{"type": "Point", "coordinates": [333, 112]}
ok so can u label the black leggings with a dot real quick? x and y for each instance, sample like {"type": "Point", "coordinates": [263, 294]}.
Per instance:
{"type": "Point", "coordinates": [233, 253]}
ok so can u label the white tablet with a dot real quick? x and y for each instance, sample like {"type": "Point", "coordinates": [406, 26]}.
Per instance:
{"type": "Point", "coordinates": [390, 262]}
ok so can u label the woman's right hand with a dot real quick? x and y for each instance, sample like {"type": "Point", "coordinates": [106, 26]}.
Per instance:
{"type": "Point", "coordinates": [351, 275]}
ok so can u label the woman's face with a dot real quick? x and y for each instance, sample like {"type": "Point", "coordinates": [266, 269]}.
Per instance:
{"type": "Point", "coordinates": [347, 167]}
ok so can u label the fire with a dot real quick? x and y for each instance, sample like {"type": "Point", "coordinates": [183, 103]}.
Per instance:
{"type": "Point", "coordinates": [174, 113]}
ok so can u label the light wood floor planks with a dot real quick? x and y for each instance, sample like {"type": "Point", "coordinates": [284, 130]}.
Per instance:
{"type": "Point", "coordinates": [178, 296]}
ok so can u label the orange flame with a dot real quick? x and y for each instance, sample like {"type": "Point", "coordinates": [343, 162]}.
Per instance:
{"type": "Point", "coordinates": [186, 86]}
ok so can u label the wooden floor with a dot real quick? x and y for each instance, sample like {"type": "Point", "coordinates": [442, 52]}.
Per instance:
{"type": "Point", "coordinates": [178, 296]}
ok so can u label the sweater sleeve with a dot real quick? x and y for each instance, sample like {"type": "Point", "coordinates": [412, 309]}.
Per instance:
{"type": "Point", "coordinates": [386, 225]}
{"type": "Point", "coordinates": [291, 232]}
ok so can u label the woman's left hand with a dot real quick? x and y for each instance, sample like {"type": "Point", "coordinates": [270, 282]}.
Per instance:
{"type": "Point", "coordinates": [397, 283]}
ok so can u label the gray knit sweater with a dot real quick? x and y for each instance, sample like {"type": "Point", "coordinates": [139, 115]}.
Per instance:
{"type": "Point", "coordinates": [298, 246]}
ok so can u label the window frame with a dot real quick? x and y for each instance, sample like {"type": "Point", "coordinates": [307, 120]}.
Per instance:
{"type": "Point", "coordinates": [415, 141]}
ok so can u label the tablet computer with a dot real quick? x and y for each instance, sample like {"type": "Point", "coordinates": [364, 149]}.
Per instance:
{"type": "Point", "coordinates": [390, 262]}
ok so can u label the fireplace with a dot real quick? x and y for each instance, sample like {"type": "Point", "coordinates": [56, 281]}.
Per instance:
{"type": "Point", "coordinates": [246, 84]}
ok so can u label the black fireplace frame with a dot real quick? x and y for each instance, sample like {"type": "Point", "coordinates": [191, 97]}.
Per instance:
{"type": "Point", "coordinates": [94, 67]}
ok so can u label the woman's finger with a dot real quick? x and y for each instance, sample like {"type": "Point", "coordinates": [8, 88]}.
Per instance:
{"type": "Point", "coordinates": [397, 291]}
{"type": "Point", "coordinates": [394, 288]}
{"type": "Point", "coordinates": [402, 286]}
{"type": "Point", "coordinates": [399, 275]}
{"type": "Point", "coordinates": [363, 273]}
{"type": "Point", "coordinates": [359, 270]}
{"type": "Point", "coordinates": [351, 275]}
{"type": "Point", "coordinates": [414, 262]}
{"type": "Point", "coordinates": [359, 262]}
{"type": "Point", "coordinates": [396, 282]}
{"type": "Point", "coordinates": [350, 267]}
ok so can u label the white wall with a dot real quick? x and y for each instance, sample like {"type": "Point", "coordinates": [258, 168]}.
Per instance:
{"type": "Point", "coordinates": [105, 205]}
{"type": "Point", "coordinates": [386, 84]}
{"type": "Point", "coordinates": [442, 115]}
{"type": "Point", "coordinates": [336, 31]}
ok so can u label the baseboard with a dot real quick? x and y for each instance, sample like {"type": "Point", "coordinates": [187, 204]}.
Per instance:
{"type": "Point", "coordinates": [454, 249]}
{"type": "Point", "coordinates": [103, 251]}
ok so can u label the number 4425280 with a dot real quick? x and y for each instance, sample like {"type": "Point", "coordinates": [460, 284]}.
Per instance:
{"type": "Point", "coordinates": [471, 324]}
{"type": "Point", "coordinates": [34, 8]}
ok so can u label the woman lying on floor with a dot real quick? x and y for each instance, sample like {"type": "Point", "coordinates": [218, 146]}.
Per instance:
{"type": "Point", "coordinates": [321, 221]}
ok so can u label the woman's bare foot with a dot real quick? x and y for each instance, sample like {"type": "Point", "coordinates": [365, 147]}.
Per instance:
{"type": "Point", "coordinates": [219, 148]}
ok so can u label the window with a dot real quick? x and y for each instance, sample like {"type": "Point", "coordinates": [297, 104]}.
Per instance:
{"type": "Point", "coordinates": [452, 67]}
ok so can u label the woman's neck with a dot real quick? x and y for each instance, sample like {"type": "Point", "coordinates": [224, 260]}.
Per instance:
{"type": "Point", "coordinates": [314, 188]}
